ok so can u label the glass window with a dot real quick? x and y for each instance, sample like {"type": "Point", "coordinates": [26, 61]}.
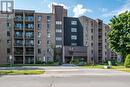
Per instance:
{"type": "Point", "coordinates": [48, 25]}
{"type": "Point", "coordinates": [73, 29]}
{"type": "Point", "coordinates": [29, 42]}
{"type": "Point", "coordinates": [18, 25]}
{"type": "Point", "coordinates": [48, 42]}
{"type": "Point", "coordinates": [39, 42]}
{"type": "Point", "coordinates": [8, 50]}
{"type": "Point", "coordinates": [39, 34]}
{"type": "Point", "coordinates": [48, 18]}
{"type": "Point", "coordinates": [8, 33]}
{"type": "Point", "coordinates": [58, 46]}
{"type": "Point", "coordinates": [30, 18]}
{"type": "Point", "coordinates": [29, 34]}
{"type": "Point", "coordinates": [31, 26]}
{"type": "Point", "coordinates": [73, 37]}
{"type": "Point", "coordinates": [73, 22]}
{"type": "Point", "coordinates": [39, 51]}
{"type": "Point", "coordinates": [73, 44]}
{"type": "Point", "coordinates": [59, 22]}
{"type": "Point", "coordinates": [19, 18]}
{"type": "Point", "coordinates": [58, 38]}
{"type": "Point", "coordinates": [58, 30]}
{"type": "Point", "coordinates": [8, 41]}
{"type": "Point", "coordinates": [39, 26]}
{"type": "Point", "coordinates": [39, 18]}
{"type": "Point", "coordinates": [48, 34]}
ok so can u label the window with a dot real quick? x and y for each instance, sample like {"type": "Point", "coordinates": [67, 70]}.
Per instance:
{"type": "Point", "coordinates": [73, 37]}
{"type": "Point", "coordinates": [39, 51]}
{"type": "Point", "coordinates": [18, 25]}
{"type": "Point", "coordinates": [39, 18]}
{"type": "Point", "coordinates": [39, 26]}
{"type": "Point", "coordinates": [8, 33]}
{"type": "Point", "coordinates": [91, 37]}
{"type": "Point", "coordinates": [29, 34]}
{"type": "Point", "coordinates": [48, 18]}
{"type": "Point", "coordinates": [29, 43]}
{"type": "Point", "coordinates": [58, 38]}
{"type": "Point", "coordinates": [8, 50]}
{"type": "Point", "coordinates": [29, 18]}
{"type": "Point", "coordinates": [48, 50]}
{"type": "Point", "coordinates": [8, 41]}
{"type": "Point", "coordinates": [58, 30]}
{"type": "Point", "coordinates": [30, 26]}
{"type": "Point", "coordinates": [91, 44]}
{"type": "Point", "coordinates": [48, 42]}
{"type": "Point", "coordinates": [39, 34]}
{"type": "Point", "coordinates": [73, 29]}
{"type": "Point", "coordinates": [39, 42]}
{"type": "Point", "coordinates": [19, 18]}
{"type": "Point", "coordinates": [48, 25]}
{"type": "Point", "coordinates": [105, 40]}
{"type": "Point", "coordinates": [92, 51]}
{"type": "Point", "coordinates": [58, 46]}
{"type": "Point", "coordinates": [91, 30]}
{"type": "Point", "coordinates": [59, 22]}
{"type": "Point", "coordinates": [91, 23]}
{"type": "Point", "coordinates": [73, 22]}
{"type": "Point", "coordinates": [48, 35]}
{"type": "Point", "coordinates": [73, 44]}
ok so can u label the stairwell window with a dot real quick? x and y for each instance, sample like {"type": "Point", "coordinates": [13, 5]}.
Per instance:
{"type": "Point", "coordinates": [73, 22]}
{"type": "Point", "coordinates": [73, 37]}
{"type": "Point", "coordinates": [73, 29]}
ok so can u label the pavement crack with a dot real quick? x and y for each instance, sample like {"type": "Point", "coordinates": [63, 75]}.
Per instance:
{"type": "Point", "coordinates": [51, 84]}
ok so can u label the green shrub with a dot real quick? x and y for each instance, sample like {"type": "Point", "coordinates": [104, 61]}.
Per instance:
{"type": "Point", "coordinates": [127, 61]}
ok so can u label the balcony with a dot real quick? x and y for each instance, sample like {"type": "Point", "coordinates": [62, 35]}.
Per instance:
{"type": "Point", "coordinates": [29, 45]}
{"type": "Point", "coordinates": [18, 44]}
{"type": "Point", "coordinates": [29, 19]}
{"type": "Point", "coordinates": [29, 37]}
{"type": "Point", "coordinates": [18, 53]}
{"type": "Point", "coordinates": [18, 36]}
{"type": "Point", "coordinates": [29, 51]}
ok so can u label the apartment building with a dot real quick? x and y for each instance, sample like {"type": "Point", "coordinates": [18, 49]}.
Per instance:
{"type": "Point", "coordinates": [5, 37]}
{"type": "Point", "coordinates": [59, 12]}
{"type": "Point", "coordinates": [95, 36]}
{"type": "Point", "coordinates": [73, 49]}
{"type": "Point", "coordinates": [31, 37]}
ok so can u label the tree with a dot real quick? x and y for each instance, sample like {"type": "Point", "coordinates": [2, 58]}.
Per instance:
{"type": "Point", "coordinates": [119, 36]}
{"type": "Point", "coordinates": [127, 61]}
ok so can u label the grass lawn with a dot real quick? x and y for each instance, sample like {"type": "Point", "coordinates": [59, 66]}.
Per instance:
{"type": "Point", "coordinates": [120, 68]}
{"type": "Point", "coordinates": [21, 72]}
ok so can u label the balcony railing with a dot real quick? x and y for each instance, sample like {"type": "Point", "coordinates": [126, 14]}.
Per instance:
{"type": "Point", "coordinates": [30, 53]}
{"type": "Point", "coordinates": [18, 44]}
{"type": "Point", "coordinates": [18, 36]}
{"type": "Point", "coordinates": [29, 37]}
{"type": "Point", "coordinates": [29, 44]}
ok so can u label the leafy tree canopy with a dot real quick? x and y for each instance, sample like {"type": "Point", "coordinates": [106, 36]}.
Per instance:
{"type": "Point", "coordinates": [119, 36]}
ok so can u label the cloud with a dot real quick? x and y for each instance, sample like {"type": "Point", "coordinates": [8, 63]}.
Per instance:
{"type": "Point", "coordinates": [103, 9]}
{"type": "Point", "coordinates": [125, 7]}
{"type": "Point", "coordinates": [55, 3]}
{"type": "Point", "coordinates": [79, 10]}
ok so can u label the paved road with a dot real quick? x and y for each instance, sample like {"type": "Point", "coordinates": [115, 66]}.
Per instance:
{"type": "Point", "coordinates": [77, 71]}
{"type": "Point", "coordinates": [77, 81]}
